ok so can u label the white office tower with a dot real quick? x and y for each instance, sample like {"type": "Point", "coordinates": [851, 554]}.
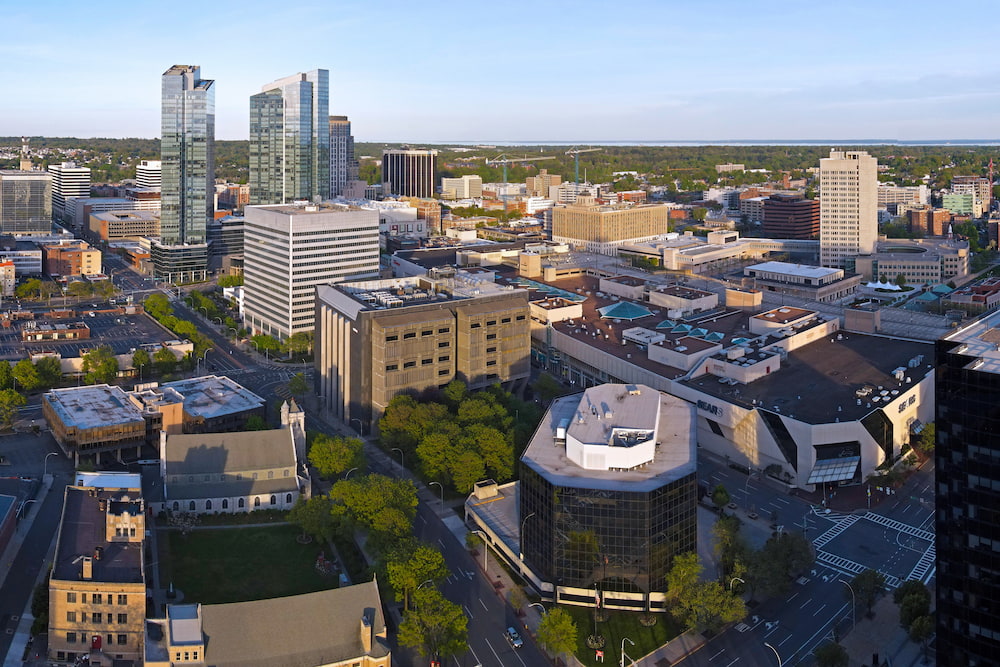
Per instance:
{"type": "Point", "coordinates": [147, 174]}
{"type": "Point", "coordinates": [68, 180]}
{"type": "Point", "coordinates": [289, 249]}
{"type": "Point", "coordinates": [343, 166]}
{"type": "Point", "coordinates": [848, 207]}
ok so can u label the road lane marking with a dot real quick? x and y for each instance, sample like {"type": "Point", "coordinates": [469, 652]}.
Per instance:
{"type": "Point", "coordinates": [804, 604]}
{"type": "Point", "coordinates": [483, 603]}
{"type": "Point", "coordinates": [733, 662]}
{"type": "Point", "coordinates": [467, 611]}
{"type": "Point", "coordinates": [717, 654]}
{"type": "Point", "coordinates": [819, 610]}
{"type": "Point", "coordinates": [492, 649]}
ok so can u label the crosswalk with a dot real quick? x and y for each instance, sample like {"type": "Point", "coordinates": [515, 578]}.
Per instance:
{"type": "Point", "coordinates": [900, 526]}
{"type": "Point", "coordinates": [850, 567]}
{"type": "Point", "coordinates": [923, 570]}
{"type": "Point", "coordinates": [835, 530]}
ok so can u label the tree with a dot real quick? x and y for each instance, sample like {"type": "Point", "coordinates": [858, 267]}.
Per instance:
{"type": "Point", "coordinates": [698, 604]}
{"type": "Point", "coordinates": [901, 280]}
{"type": "Point", "coordinates": [383, 506]}
{"type": "Point", "coordinates": [140, 359]}
{"type": "Point", "coordinates": [255, 423]}
{"type": "Point", "coordinates": [314, 517]}
{"type": "Point", "coordinates": [164, 360]}
{"type": "Point", "coordinates": [230, 281]}
{"type": "Point", "coordinates": [831, 654]}
{"type": "Point", "coordinates": [26, 375]}
{"type": "Point", "coordinates": [49, 371]}
{"type": "Point", "coordinates": [6, 375]}
{"type": "Point", "coordinates": [546, 388]}
{"type": "Point", "coordinates": [720, 497]}
{"type": "Point", "coordinates": [79, 289]}
{"type": "Point", "coordinates": [29, 289]}
{"type": "Point", "coordinates": [454, 392]}
{"type": "Point", "coordinates": [921, 629]}
{"type": "Point", "coordinates": [924, 444]}
{"type": "Point", "coordinates": [729, 546]}
{"type": "Point", "coordinates": [10, 401]}
{"type": "Point", "coordinates": [333, 455]}
{"type": "Point", "coordinates": [911, 587]}
{"type": "Point", "coordinates": [264, 342]}
{"type": "Point", "coordinates": [299, 343]}
{"type": "Point", "coordinates": [298, 385]}
{"type": "Point", "coordinates": [868, 585]}
{"type": "Point", "coordinates": [100, 365]}
{"type": "Point", "coordinates": [911, 608]}
{"type": "Point", "coordinates": [779, 561]}
{"type": "Point", "coordinates": [557, 632]}
{"type": "Point", "coordinates": [412, 565]}
{"type": "Point", "coordinates": [699, 213]}
{"type": "Point", "coordinates": [158, 306]}
{"type": "Point", "coordinates": [435, 626]}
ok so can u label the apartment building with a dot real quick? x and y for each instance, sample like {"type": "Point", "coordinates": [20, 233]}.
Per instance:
{"type": "Point", "coordinates": [68, 180]}
{"type": "Point", "coordinates": [71, 258]}
{"type": "Point", "coordinates": [538, 186]}
{"type": "Point", "coordinates": [602, 229]}
{"type": "Point", "coordinates": [376, 339]}
{"type": "Point", "coordinates": [848, 187]}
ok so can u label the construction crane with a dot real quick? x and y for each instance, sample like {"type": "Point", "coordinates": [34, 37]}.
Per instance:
{"type": "Point", "coordinates": [504, 159]}
{"type": "Point", "coordinates": [575, 152]}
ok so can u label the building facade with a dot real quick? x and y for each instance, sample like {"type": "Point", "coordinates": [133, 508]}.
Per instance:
{"type": "Point", "coordinates": [848, 189]}
{"type": "Point", "coordinates": [118, 225]}
{"type": "Point", "coordinates": [25, 202]}
{"type": "Point", "coordinates": [409, 172]}
{"type": "Point", "coordinates": [290, 249]}
{"type": "Point", "coordinates": [967, 462]}
{"type": "Point", "coordinates": [379, 338]}
{"type": "Point", "coordinates": [188, 174]}
{"type": "Point", "coordinates": [463, 187]}
{"type": "Point", "coordinates": [343, 166]}
{"type": "Point", "coordinates": [608, 496]}
{"type": "Point", "coordinates": [790, 217]}
{"type": "Point", "coordinates": [290, 139]}
{"type": "Point", "coordinates": [71, 258]}
{"type": "Point", "coordinates": [148, 174]}
{"type": "Point", "coordinates": [603, 229]}
{"type": "Point", "coordinates": [68, 180]}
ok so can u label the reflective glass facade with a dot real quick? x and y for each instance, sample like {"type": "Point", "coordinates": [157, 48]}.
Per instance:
{"type": "Point", "coordinates": [25, 202]}
{"type": "Point", "coordinates": [187, 156]}
{"type": "Point", "coordinates": [290, 140]}
{"type": "Point", "coordinates": [611, 539]}
{"type": "Point", "coordinates": [967, 459]}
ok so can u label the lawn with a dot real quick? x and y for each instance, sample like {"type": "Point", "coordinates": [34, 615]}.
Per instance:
{"type": "Point", "coordinates": [239, 564]}
{"type": "Point", "coordinates": [619, 624]}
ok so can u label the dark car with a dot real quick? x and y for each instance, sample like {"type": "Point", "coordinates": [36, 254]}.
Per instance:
{"type": "Point", "coordinates": [513, 638]}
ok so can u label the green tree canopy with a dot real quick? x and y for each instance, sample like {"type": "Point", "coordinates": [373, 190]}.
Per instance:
{"type": "Point", "coordinates": [255, 423]}
{"type": "Point", "coordinates": [49, 371]}
{"type": "Point", "coordinates": [26, 375]}
{"type": "Point", "coordinates": [868, 585]}
{"type": "Point", "coordinates": [10, 401]}
{"type": "Point", "coordinates": [265, 342]}
{"type": "Point", "coordinates": [314, 517]}
{"type": "Point", "coordinates": [782, 558]}
{"type": "Point", "coordinates": [911, 587]}
{"type": "Point", "coordinates": [299, 343]}
{"type": "Point", "coordinates": [410, 565]}
{"type": "Point", "coordinates": [100, 365]}
{"type": "Point", "coordinates": [700, 604]}
{"type": "Point", "coordinates": [435, 626]}
{"type": "Point", "coordinates": [912, 607]}
{"type": "Point", "coordinates": [924, 442]}
{"type": "Point", "coordinates": [557, 632]}
{"type": "Point", "coordinates": [831, 654]}
{"type": "Point", "coordinates": [229, 281]}
{"type": "Point", "coordinates": [333, 455]}
{"type": "Point", "coordinates": [383, 506]}
{"type": "Point", "coordinates": [546, 388]}
{"type": "Point", "coordinates": [140, 359]}
{"type": "Point", "coordinates": [164, 360]}
{"type": "Point", "coordinates": [6, 375]}
{"type": "Point", "coordinates": [720, 496]}
{"type": "Point", "coordinates": [297, 385]}
{"type": "Point", "coordinates": [158, 306]}
{"type": "Point", "coordinates": [921, 630]}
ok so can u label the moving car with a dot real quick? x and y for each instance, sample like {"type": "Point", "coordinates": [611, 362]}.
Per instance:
{"type": "Point", "coordinates": [513, 638]}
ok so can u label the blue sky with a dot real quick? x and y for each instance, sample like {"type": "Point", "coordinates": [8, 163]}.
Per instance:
{"type": "Point", "coordinates": [428, 71]}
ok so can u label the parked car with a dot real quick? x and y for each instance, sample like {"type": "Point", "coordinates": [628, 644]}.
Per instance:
{"type": "Point", "coordinates": [513, 638]}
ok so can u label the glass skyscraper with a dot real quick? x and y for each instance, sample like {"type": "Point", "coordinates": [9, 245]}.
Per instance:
{"type": "Point", "coordinates": [188, 173]}
{"type": "Point", "coordinates": [25, 202]}
{"type": "Point", "coordinates": [290, 139]}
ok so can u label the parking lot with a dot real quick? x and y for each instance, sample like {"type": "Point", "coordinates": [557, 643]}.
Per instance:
{"type": "Point", "coordinates": [121, 333]}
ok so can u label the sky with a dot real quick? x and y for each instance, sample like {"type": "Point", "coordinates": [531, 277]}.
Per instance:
{"type": "Point", "coordinates": [423, 71]}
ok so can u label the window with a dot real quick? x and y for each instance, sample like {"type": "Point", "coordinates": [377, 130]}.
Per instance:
{"type": "Point", "coordinates": [443, 371]}
{"type": "Point", "coordinates": [208, 504]}
{"type": "Point", "coordinates": [71, 598]}
{"type": "Point", "coordinates": [242, 503]}
{"type": "Point", "coordinates": [475, 325]}
{"type": "Point", "coordinates": [70, 637]}
{"type": "Point", "coordinates": [208, 478]}
{"type": "Point", "coordinates": [191, 506]}
{"type": "Point", "coordinates": [71, 617]}
{"type": "Point", "coordinates": [287, 473]}
{"type": "Point", "coordinates": [255, 475]}
{"type": "Point", "coordinates": [288, 499]}
{"type": "Point", "coordinates": [122, 640]}
{"type": "Point", "coordinates": [83, 598]}
{"type": "Point", "coordinates": [391, 367]}
{"type": "Point", "coordinates": [122, 618]}
{"type": "Point", "coordinates": [98, 598]}
{"type": "Point", "coordinates": [274, 500]}
{"type": "Point", "coordinates": [520, 317]}
{"type": "Point", "coordinates": [194, 655]}
{"type": "Point", "coordinates": [407, 336]}
{"type": "Point", "coordinates": [122, 599]}
{"type": "Point", "coordinates": [427, 332]}
{"type": "Point", "coordinates": [491, 362]}
{"type": "Point", "coordinates": [444, 330]}
{"type": "Point", "coordinates": [256, 502]}
{"type": "Point", "coordinates": [109, 617]}
{"type": "Point", "coordinates": [225, 503]}
{"type": "Point", "coordinates": [187, 655]}
{"type": "Point", "coordinates": [110, 640]}
{"type": "Point", "coordinates": [425, 362]}
{"type": "Point", "coordinates": [444, 343]}
{"type": "Point", "coordinates": [177, 505]}
{"type": "Point", "coordinates": [505, 320]}
{"type": "Point", "coordinates": [491, 323]}
{"type": "Point", "coordinates": [409, 364]}
{"type": "Point", "coordinates": [491, 349]}
{"type": "Point", "coordinates": [270, 474]}
{"type": "Point", "coordinates": [444, 357]}
{"type": "Point", "coordinates": [391, 339]}
{"type": "Point", "coordinates": [491, 336]}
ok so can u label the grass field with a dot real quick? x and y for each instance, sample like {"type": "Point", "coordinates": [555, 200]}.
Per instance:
{"type": "Point", "coordinates": [619, 624]}
{"type": "Point", "coordinates": [239, 564]}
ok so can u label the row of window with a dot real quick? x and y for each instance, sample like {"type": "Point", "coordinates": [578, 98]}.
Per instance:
{"type": "Point", "coordinates": [96, 617]}
{"type": "Point", "coordinates": [71, 638]}
{"type": "Point", "coordinates": [413, 334]}
{"type": "Point", "coordinates": [96, 598]}
{"type": "Point", "coordinates": [491, 323]}
{"type": "Point", "coordinates": [188, 656]}
{"type": "Point", "coordinates": [223, 477]}
{"type": "Point", "coordinates": [423, 362]}
{"type": "Point", "coordinates": [240, 503]}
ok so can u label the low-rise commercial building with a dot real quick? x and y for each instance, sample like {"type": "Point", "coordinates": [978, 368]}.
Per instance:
{"type": "Point", "coordinates": [923, 261]}
{"type": "Point", "coordinates": [71, 258]}
{"type": "Point", "coordinates": [118, 225]}
{"type": "Point", "coordinates": [816, 283]}
{"type": "Point", "coordinates": [602, 229]}
{"type": "Point", "coordinates": [376, 339]}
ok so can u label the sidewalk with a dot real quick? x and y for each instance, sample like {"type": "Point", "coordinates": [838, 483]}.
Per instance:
{"type": "Point", "coordinates": [883, 634]}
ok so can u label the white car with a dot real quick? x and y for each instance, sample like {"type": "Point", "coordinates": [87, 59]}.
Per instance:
{"type": "Point", "coordinates": [513, 638]}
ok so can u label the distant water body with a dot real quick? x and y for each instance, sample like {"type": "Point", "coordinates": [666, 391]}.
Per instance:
{"type": "Point", "coordinates": [733, 142]}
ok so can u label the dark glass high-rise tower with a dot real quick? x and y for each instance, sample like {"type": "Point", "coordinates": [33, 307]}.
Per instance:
{"type": "Point", "coordinates": [188, 173]}
{"type": "Point", "coordinates": [967, 462]}
{"type": "Point", "coordinates": [290, 139]}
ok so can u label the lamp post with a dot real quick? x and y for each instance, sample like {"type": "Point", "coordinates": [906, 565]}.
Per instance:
{"type": "Point", "coordinates": [486, 547]}
{"type": "Point", "coordinates": [621, 660]}
{"type": "Point", "coordinates": [520, 540]}
{"type": "Point", "coordinates": [397, 449]}
{"type": "Point", "coordinates": [235, 332]}
{"type": "Point", "coordinates": [349, 472]}
{"type": "Point", "coordinates": [219, 319]}
{"type": "Point", "coordinates": [540, 606]}
{"type": "Point", "coordinates": [361, 426]}
{"type": "Point", "coordinates": [45, 465]}
{"type": "Point", "coordinates": [775, 653]}
{"type": "Point", "coordinates": [746, 492]}
{"type": "Point", "coordinates": [20, 510]}
{"type": "Point", "coordinates": [442, 491]}
{"type": "Point", "coordinates": [853, 603]}
{"type": "Point", "coordinates": [734, 579]}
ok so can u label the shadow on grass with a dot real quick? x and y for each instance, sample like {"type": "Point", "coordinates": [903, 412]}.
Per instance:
{"type": "Point", "coordinates": [620, 624]}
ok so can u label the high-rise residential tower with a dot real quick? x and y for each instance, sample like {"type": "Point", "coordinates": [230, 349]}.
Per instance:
{"type": "Point", "coordinates": [967, 477]}
{"type": "Point", "coordinates": [408, 172]}
{"type": "Point", "coordinates": [148, 174]}
{"type": "Point", "coordinates": [290, 139]}
{"type": "Point", "coordinates": [343, 167]}
{"type": "Point", "coordinates": [848, 207]}
{"type": "Point", "coordinates": [188, 174]}
{"type": "Point", "coordinates": [68, 180]}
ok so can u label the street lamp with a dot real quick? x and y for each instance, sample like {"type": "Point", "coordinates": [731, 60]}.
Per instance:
{"type": "Point", "coordinates": [775, 653]}
{"type": "Point", "coordinates": [486, 547]}
{"type": "Point", "coordinates": [349, 472]}
{"type": "Point", "coordinates": [539, 605]}
{"type": "Point", "coordinates": [735, 579]}
{"type": "Point", "coordinates": [205, 309]}
{"type": "Point", "coordinates": [45, 465]}
{"type": "Point", "coordinates": [361, 426]}
{"type": "Point", "coordinates": [853, 603]}
{"type": "Point", "coordinates": [621, 661]}
{"type": "Point", "coordinates": [397, 449]}
{"type": "Point", "coordinates": [520, 538]}
{"type": "Point", "coordinates": [235, 332]}
{"type": "Point", "coordinates": [219, 319]}
{"type": "Point", "coordinates": [20, 510]}
{"type": "Point", "coordinates": [429, 581]}
{"type": "Point", "coordinates": [442, 491]}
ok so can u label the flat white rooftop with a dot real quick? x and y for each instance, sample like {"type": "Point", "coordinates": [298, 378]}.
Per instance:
{"type": "Point", "coordinates": [789, 269]}
{"type": "Point", "coordinates": [212, 396]}
{"type": "Point", "coordinates": [93, 406]}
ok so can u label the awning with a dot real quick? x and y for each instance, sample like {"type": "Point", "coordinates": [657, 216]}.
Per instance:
{"type": "Point", "coordinates": [834, 470]}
